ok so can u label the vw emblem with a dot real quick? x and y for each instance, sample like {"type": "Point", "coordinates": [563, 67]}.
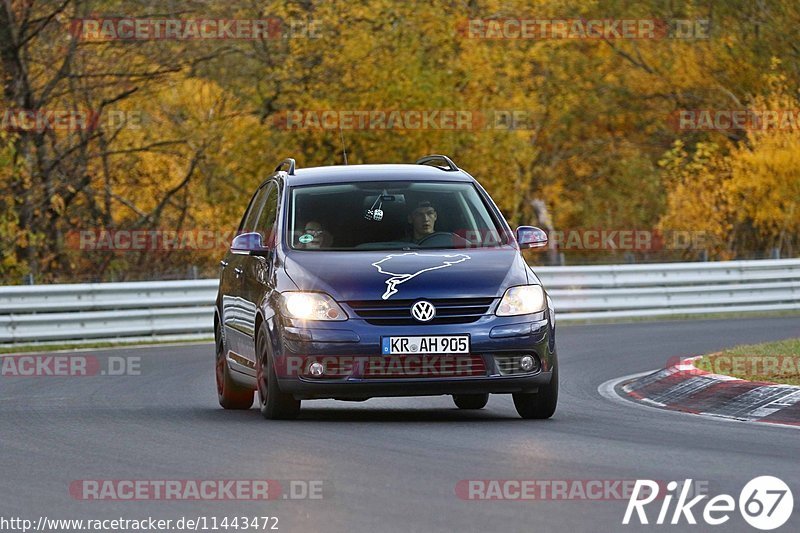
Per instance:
{"type": "Point", "coordinates": [423, 311]}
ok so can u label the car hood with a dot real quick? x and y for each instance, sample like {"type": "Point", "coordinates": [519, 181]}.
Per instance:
{"type": "Point", "coordinates": [403, 275]}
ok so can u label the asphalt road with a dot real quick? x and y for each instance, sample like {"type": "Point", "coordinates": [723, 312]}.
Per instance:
{"type": "Point", "coordinates": [385, 464]}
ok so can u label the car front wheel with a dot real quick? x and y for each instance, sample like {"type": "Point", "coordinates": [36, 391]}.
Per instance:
{"type": "Point", "coordinates": [539, 405]}
{"type": "Point", "coordinates": [274, 404]}
{"type": "Point", "coordinates": [230, 394]}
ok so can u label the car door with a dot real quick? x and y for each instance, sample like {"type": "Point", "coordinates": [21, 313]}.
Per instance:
{"type": "Point", "coordinates": [258, 270]}
{"type": "Point", "coordinates": [236, 310]}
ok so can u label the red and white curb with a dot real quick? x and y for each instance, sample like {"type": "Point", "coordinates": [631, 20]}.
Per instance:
{"type": "Point", "coordinates": [684, 387]}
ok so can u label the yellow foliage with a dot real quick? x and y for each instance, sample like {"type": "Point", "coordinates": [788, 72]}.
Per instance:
{"type": "Point", "coordinates": [766, 172]}
{"type": "Point", "coordinates": [699, 199]}
{"type": "Point", "coordinates": [734, 190]}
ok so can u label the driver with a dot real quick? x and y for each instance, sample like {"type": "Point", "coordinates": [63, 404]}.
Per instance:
{"type": "Point", "coordinates": [422, 220]}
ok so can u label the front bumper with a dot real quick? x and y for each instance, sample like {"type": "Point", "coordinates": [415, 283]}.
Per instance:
{"type": "Point", "coordinates": [491, 338]}
{"type": "Point", "coordinates": [358, 389]}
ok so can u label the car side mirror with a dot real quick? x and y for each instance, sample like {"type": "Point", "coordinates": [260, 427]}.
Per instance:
{"type": "Point", "coordinates": [249, 244]}
{"type": "Point", "coordinates": [531, 237]}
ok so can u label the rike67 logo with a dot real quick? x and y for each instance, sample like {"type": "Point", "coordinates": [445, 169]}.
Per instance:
{"type": "Point", "coordinates": [765, 503]}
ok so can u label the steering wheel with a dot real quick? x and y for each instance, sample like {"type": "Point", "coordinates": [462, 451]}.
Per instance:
{"type": "Point", "coordinates": [444, 239]}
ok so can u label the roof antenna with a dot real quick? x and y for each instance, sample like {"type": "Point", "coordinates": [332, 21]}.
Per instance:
{"type": "Point", "coordinates": [344, 150]}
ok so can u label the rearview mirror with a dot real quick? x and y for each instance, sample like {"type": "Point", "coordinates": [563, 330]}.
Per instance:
{"type": "Point", "coordinates": [531, 237]}
{"type": "Point", "coordinates": [249, 244]}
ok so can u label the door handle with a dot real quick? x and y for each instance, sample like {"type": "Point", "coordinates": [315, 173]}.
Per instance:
{"type": "Point", "coordinates": [238, 271]}
{"type": "Point", "coordinates": [223, 263]}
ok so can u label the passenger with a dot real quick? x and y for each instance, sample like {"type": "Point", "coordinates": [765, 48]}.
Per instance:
{"type": "Point", "coordinates": [320, 237]}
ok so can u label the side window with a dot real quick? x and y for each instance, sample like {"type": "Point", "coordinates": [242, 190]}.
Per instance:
{"type": "Point", "coordinates": [266, 219]}
{"type": "Point", "coordinates": [249, 219]}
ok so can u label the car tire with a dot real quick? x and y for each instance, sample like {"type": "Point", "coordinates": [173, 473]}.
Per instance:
{"type": "Point", "coordinates": [274, 404]}
{"type": "Point", "coordinates": [230, 394]}
{"type": "Point", "coordinates": [471, 401]}
{"type": "Point", "coordinates": [539, 405]}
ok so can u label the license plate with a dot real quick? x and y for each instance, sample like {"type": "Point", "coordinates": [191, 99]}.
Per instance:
{"type": "Point", "coordinates": [428, 344]}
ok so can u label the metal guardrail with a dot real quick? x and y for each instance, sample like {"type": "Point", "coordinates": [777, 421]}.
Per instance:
{"type": "Point", "coordinates": [668, 289]}
{"type": "Point", "coordinates": [86, 311]}
{"type": "Point", "coordinates": [182, 309]}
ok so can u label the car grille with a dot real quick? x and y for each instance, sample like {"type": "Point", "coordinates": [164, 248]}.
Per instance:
{"type": "Point", "coordinates": [398, 312]}
{"type": "Point", "coordinates": [424, 366]}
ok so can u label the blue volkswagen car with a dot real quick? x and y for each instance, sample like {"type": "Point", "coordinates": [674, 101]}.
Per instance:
{"type": "Point", "coordinates": [352, 282]}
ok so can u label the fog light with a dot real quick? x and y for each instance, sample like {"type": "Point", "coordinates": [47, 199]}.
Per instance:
{"type": "Point", "coordinates": [526, 363]}
{"type": "Point", "coordinates": [316, 369]}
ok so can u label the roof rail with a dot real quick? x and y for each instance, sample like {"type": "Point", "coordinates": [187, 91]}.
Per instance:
{"type": "Point", "coordinates": [288, 161]}
{"type": "Point", "coordinates": [451, 167]}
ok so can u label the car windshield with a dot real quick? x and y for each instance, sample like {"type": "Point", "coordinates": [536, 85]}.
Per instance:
{"type": "Point", "coordinates": [390, 215]}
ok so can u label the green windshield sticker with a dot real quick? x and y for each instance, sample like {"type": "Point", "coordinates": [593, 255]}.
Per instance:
{"type": "Point", "coordinates": [304, 239]}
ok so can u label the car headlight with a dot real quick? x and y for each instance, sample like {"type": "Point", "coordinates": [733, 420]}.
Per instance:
{"type": "Point", "coordinates": [522, 300]}
{"type": "Point", "coordinates": [311, 306]}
